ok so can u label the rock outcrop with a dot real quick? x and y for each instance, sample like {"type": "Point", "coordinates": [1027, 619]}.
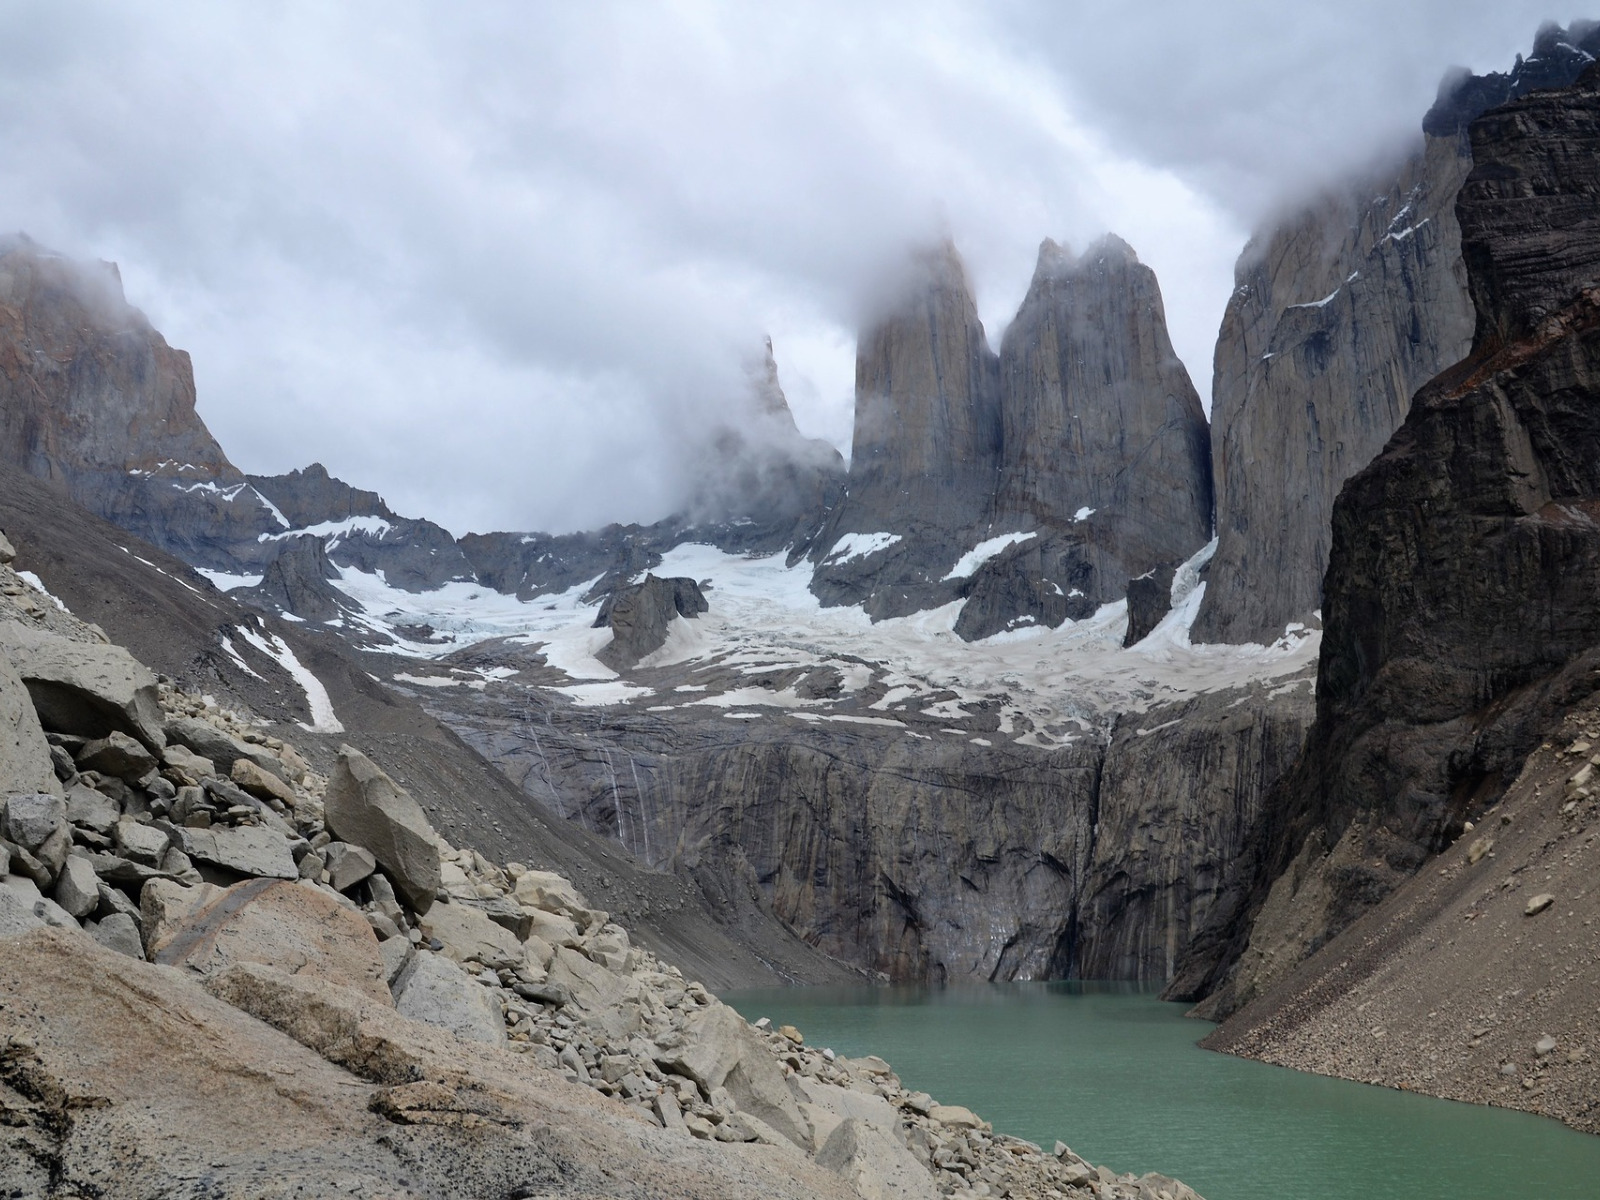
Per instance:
{"type": "Point", "coordinates": [1339, 315]}
{"type": "Point", "coordinates": [640, 615]}
{"type": "Point", "coordinates": [359, 530]}
{"type": "Point", "coordinates": [1459, 614]}
{"type": "Point", "coordinates": [1032, 485]}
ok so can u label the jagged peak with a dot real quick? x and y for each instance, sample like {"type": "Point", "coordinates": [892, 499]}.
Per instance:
{"type": "Point", "coordinates": [1559, 55]}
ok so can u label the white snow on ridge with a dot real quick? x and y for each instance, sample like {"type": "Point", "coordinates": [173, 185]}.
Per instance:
{"type": "Point", "coordinates": [859, 545]}
{"type": "Point", "coordinates": [37, 584]}
{"type": "Point", "coordinates": [1324, 302]}
{"type": "Point", "coordinates": [318, 701]}
{"type": "Point", "coordinates": [334, 530]}
{"type": "Point", "coordinates": [225, 582]}
{"type": "Point", "coordinates": [987, 549]}
{"type": "Point", "coordinates": [1056, 683]}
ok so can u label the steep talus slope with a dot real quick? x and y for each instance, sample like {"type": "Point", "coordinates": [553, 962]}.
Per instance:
{"type": "Point", "coordinates": [1340, 314]}
{"type": "Point", "coordinates": [1034, 485]}
{"type": "Point", "coordinates": [1450, 987]}
{"type": "Point", "coordinates": [1461, 621]}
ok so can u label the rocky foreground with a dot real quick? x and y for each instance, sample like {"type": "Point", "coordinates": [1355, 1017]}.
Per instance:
{"type": "Point", "coordinates": [225, 974]}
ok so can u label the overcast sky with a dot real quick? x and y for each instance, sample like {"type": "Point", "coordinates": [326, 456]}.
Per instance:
{"type": "Point", "coordinates": [500, 262]}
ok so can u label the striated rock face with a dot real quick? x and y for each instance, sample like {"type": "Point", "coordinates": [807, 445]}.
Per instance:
{"type": "Point", "coordinates": [1339, 315]}
{"type": "Point", "coordinates": [1460, 619]}
{"type": "Point", "coordinates": [1086, 433]}
{"type": "Point", "coordinates": [1337, 318]}
{"type": "Point", "coordinates": [923, 859]}
{"type": "Point", "coordinates": [1181, 790]}
{"type": "Point", "coordinates": [1098, 411]}
{"type": "Point", "coordinates": [927, 423]}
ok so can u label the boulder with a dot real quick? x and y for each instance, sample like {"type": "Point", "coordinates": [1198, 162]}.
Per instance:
{"type": "Point", "coordinates": [362, 805]}
{"type": "Point", "coordinates": [77, 888]}
{"type": "Point", "coordinates": [92, 809]}
{"type": "Point", "coordinates": [140, 843]}
{"type": "Point", "coordinates": [222, 749]}
{"type": "Point", "coordinates": [721, 1050]}
{"type": "Point", "coordinates": [119, 755]}
{"type": "Point", "coordinates": [434, 990]}
{"type": "Point", "coordinates": [23, 907]}
{"type": "Point", "coordinates": [193, 767]}
{"type": "Point", "coordinates": [468, 934]}
{"type": "Point", "coordinates": [31, 819]}
{"type": "Point", "coordinates": [248, 849]}
{"type": "Point", "coordinates": [347, 865]}
{"type": "Point", "coordinates": [259, 781]}
{"type": "Point", "coordinates": [875, 1163]}
{"type": "Point", "coordinates": [25, 758]}
{"type": "Point", "coordinates": [297, 930]}
{"type": "Point", "coordinates": [163, 902]}
{"type": "Point", "coordinates": [119, 932]}
{"type": "Point", "coordinates": [84, 687]}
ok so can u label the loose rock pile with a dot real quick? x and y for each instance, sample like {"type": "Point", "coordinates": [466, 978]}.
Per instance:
{"type": "Point", "coordinates": [169, 829]}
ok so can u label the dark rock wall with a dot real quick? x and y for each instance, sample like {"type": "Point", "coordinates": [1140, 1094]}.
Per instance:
{"type": "Point", "coordinates": [1340, 314]}
{"type": "Point", "coordinates": [926, 859]}
{"type": "Point", "coordinates": [1460, 617]}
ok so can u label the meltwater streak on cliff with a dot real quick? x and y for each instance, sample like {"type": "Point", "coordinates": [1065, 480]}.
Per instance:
{"type": "Point", "coordinates": [1116, 1074]}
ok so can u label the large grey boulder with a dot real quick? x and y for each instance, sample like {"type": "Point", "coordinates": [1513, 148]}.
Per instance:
{"type": "Point", "coordinates": [92, 809]}
{"type": "Point", "coordinates": [30, 820]}
{"type": "Point", "coordinates": [77, 888]}
{"type": "Point", "coordinates": [25, 764]}
{"type": "Point", "coordinates": [247, 849]}
{"type": "Point", "coordinates": [119, 932]}
{"type": "Point", "coordinates": [117, 754]}
{"type": "Point", "coordinates": [23, 908]}
{"type": "Point", "coordinates": [875, 1163]}
{"type": "Point", "coordinates": [84, 687]}
{"type": "Point", "coordinates": [365, 807]}
{"type": "Point", "coordinates": [434, 990]}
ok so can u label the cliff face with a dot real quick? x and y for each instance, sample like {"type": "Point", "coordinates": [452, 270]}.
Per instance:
{"type": "Point", "coordinates": [1337, 318]}
{"type": "Point", "coordinates": [1084, 444]}
{"type": "Point", "coordinates": [1339, 315]}
{"type": "Point", "coordinates": [926, 857]}
{"type": "Point", "coordinates": [93, 397]}
{"type": "Point", "coordinates": [1460, 620]}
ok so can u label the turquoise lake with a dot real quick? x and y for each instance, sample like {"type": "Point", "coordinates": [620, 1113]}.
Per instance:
{"type": "Point", "coordinates": [1115, 1073]}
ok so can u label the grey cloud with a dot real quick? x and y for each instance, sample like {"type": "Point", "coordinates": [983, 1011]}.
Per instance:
{"type": "Point", "coordinates": [504, 263]}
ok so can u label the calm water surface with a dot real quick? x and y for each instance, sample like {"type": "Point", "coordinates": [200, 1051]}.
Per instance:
{"type": "Point", "coordinates": [1116, 1074]}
